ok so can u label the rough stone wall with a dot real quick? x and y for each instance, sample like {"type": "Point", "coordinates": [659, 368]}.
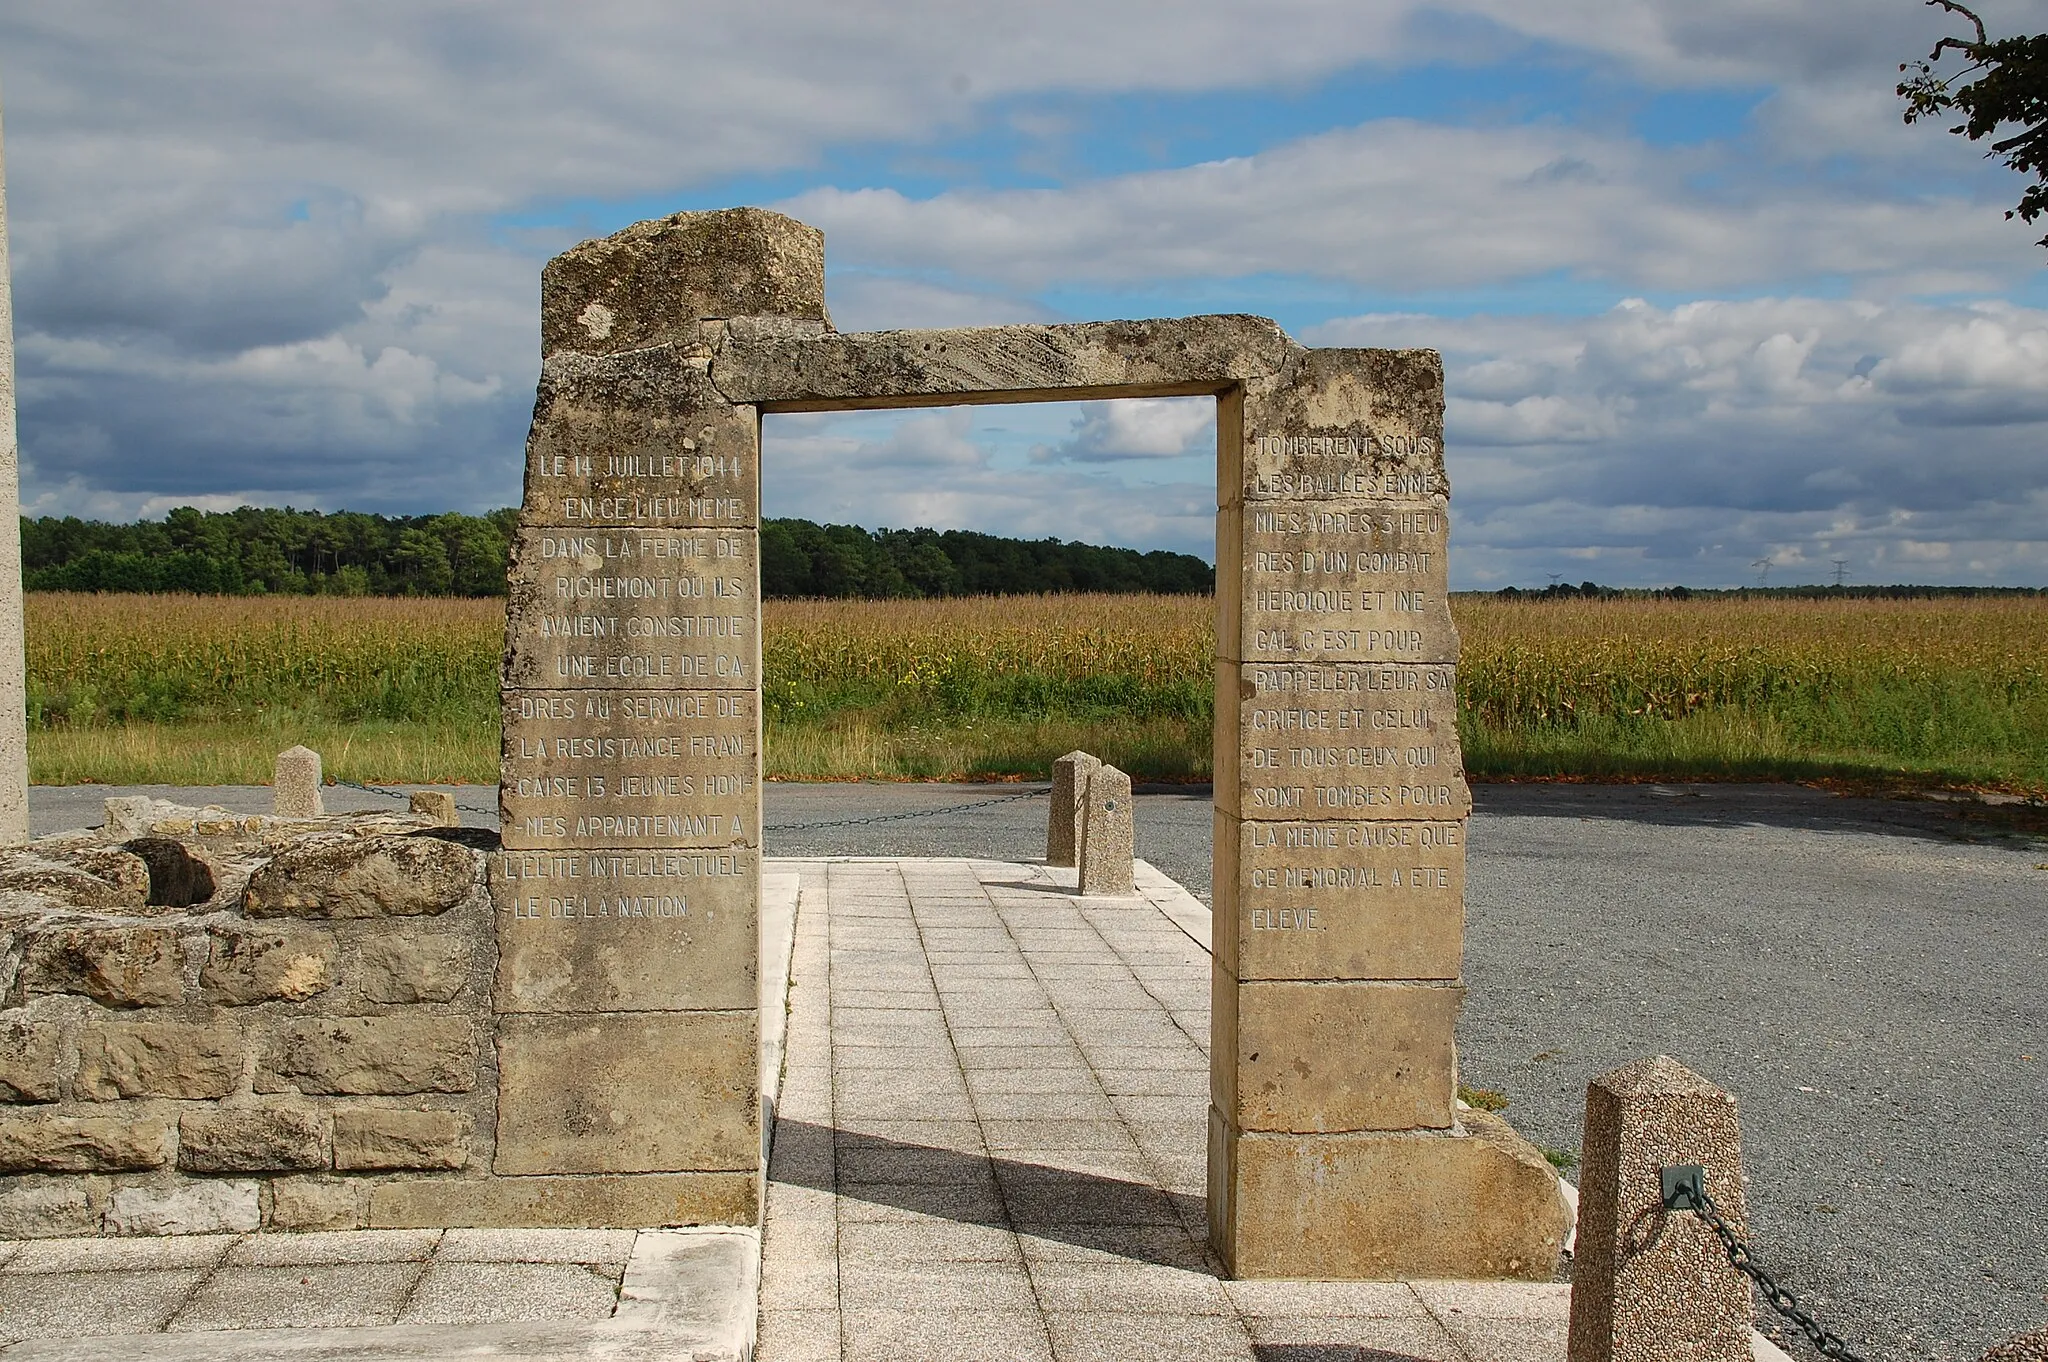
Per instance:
{"type": "Point", "coordinates": [210, 1021]}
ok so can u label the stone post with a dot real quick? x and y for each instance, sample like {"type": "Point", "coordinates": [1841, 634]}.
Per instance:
{"type": "Point", "coordinates": [438, 805]}
{"type": "Point", "coordinates": [1336, 1146]}
{"type": "Point", "coordinates": [295, 784]}
{"type": "Point", "coordinates": [628, 890]}
{"type": "Point", "coordinates": [13, 664]}
{"type": "Point", "coordinates": [1650, 1285]}
{"type": "Point", "coordinates": [1063, 822]}
{"type": "Point", "coordinates": [1108, 834]}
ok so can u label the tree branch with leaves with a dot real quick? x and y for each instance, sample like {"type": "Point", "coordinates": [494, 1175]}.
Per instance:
{"type": "Point", "coordinates": [2003, 84]}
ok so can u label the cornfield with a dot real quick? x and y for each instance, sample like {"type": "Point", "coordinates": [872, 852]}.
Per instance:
{"type": "Point", "coordinates": [1940, 691]}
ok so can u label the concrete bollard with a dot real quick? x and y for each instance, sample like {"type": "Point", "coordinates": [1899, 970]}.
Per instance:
{"type": "Point", "coordinates": [295, 784]}
{"type": "Point", "coordinates": [1650, 1285]}
{"type": "Point", "coordinates": [1069, 791]}
{"type": "Point", "coordinates": [1108, 834]}
{"type": "Point", "coordinates": [438, 805]}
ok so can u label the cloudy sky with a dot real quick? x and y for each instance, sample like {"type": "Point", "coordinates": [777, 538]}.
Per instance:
{"type": "Point", "coordinates": [1703, 299]}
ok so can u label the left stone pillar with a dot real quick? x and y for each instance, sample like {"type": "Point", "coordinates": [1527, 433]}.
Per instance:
{"type": "Point", "coordinates": [13, 663]}
{"type": "Point", "coordinates": [628, 890]}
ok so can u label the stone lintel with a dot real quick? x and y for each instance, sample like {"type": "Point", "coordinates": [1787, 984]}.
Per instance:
{"type": "Point", "coordinates": [1190, 356]}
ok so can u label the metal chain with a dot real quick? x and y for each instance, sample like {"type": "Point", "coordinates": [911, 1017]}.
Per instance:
{"type": "Point", "coordinates": [1827, 1343]}
{"type": "Point", "coordinates": [402, 794]}
{"type": "Point", "coordinates": [772, 827]}
{"type": "Point", "coordinates": [894, 817]}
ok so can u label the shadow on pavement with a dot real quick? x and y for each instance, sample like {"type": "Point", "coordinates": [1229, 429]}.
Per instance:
{"type": "Point", "coordinates": [1128, 1219]}
{"type": "Point", "coordinates": [1784, 806]}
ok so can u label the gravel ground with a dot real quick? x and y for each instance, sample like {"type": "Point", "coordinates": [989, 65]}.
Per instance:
{"type": "Point", "coordinates": [1867, 976]}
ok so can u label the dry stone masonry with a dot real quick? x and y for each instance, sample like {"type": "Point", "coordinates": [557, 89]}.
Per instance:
{"type": "Point", "coordinates": [212, 1021]}
{"type": "Point", "coordinates": [627, 890]}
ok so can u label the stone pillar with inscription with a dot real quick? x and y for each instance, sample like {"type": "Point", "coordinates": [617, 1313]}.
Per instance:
{"type": "Point", "coordinates": [1337, 1148]}
{"type": "Point", "coordinates": [628, 888]}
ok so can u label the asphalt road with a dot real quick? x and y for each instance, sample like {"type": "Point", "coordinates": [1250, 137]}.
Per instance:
{"type": "Point", "coordinates": [1869, 977]}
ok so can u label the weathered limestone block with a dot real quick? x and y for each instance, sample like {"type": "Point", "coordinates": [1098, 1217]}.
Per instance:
{"type": "Point", "coordinates": [648, 1199]}
{"type": "Point", "coordinates": [1108, 834]}
{"type": "Point", "coordinates": [663, 768]}
{"type": "Point", "coordinates": [179, 1059]}
{"type": "Point", "coordinates": [383, 1138]}
{"type": "Point", "coordinates": [129, 816]}
{"type": "Point", "coordinates": [251, 1139]}
{"type": "Point", "coordinates": [407, 966]}
{"type": "Point", "coordinates": [51, 1208]}
{"type": "Point", "coordinates": [1343, 423]}
{"type": "Point", "coordinates": [1649, 1284]}
{"type": "Point", "coordinates": [211, 1206]}
{"type": "Point", "coordinates": [437, 806]}
{"type": "Point", "coordinates": [117, 966]}
{"type": "Point", "coordinates": [1090, 359]}
{"type": "Point", "coordinates": [1397, 725]}
{"type": "Point", "coordinates": [318, 1203]}
{"type": "Point", "coordinates": [1385, 1206]}
{"type": "Point", "coordinates": [43, 1142]}
{"type": "Point", "coordinates": [651, 283]}
{"type": "Point", "coordinates": [626, 931]}
{"type": "Point", "coordinates": [260, 965]}
{"type": "Point", "coordinates": [31, 1056]}
{"type": "Point", "coordinates": [1337, 581]}
{"type": "Point", "coordinates": [78, 870]}
{"type": "Point", "coordinates": [295, 784]}
{"type": "Point", "coordinates": [638, 441]}
{"type": "Point", "coordinates": [386, 1056]}
{"type": "Point", "coordinates": [1329, 900]}
{"type": "Point", "coordinates": [1063, 823]}
{"type": "Point", "coordinates": [1293, 1056]}
{"type": "Point", "coordinates": [583, 617]}
{"type": "Point", "coordinates": [640, 1092]}
{"type": "Point", "coordinates": [356, 877]}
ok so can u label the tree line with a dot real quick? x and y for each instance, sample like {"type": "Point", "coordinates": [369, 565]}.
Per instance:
{"type": "Point", "coordinates": [265, 551]}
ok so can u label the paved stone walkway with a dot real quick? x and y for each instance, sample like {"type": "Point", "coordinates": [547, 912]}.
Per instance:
{"type": "Point", "coordinates": [992, 1135]}
{"type": "Point", "coordinates": [380, 1296]}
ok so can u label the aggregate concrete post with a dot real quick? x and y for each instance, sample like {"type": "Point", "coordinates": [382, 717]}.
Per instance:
{"type": "Point", "coordinates": [1063, 821]}
{"type": "Point", "coordinates": [13, 663]}
{"type": "Point", "coordinates": [1650, 1285]}
{"type": "Point", "coordinates": [1108, 834]}
{"type": "Point", "coordinates": [629, 887]}
{"type": "Point", "coordinates": [295, 784]}
{"type": "Point", "coordinates": [1336, 1145]}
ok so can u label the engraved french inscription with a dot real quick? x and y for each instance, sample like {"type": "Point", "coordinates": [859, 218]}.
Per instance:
{"type": "Point", "coordinates": [650, 608]}
{"type": "Point", "coordinates": [624, 930]}
{"type": "Point", "coordinates": [1366, 741]}
{"type": "Point", "coordinates": [574, 758]}
{"type": "Point", "coordinates": [649, 443]}
{"type": "Point", "coordinates": [1294, 465]}
{"type": "Point", "coordinates": [1354, 582]}
{"type": "Point", "coordinates": [1345, 900]}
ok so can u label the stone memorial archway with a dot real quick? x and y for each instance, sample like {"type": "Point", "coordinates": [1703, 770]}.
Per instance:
{"type": "Point", "coordinates": [629, 884]}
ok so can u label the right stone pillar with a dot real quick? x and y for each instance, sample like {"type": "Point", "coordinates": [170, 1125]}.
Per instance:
{"type": "Point", "coordinates": [1337, 1147]}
